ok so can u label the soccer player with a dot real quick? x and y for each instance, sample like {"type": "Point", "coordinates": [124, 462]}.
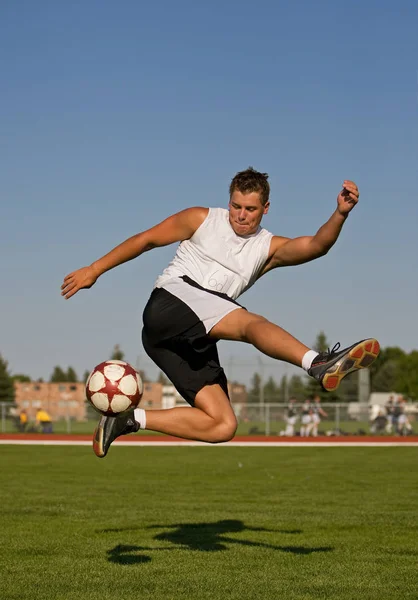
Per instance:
{"type": "Point", "coordinates": [317, 413]}
{"type": "Point", "coordinates": [306, 418]}
{"type": "Point", "coordinates": [291, 418]}
{"type": "Point", "coordinates": [222, 253]}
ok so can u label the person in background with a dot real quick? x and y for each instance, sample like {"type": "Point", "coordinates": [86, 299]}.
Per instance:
{"type": "Point", "coordinates": [306, 418]}
{"type": "Point", "coordinates": [317, 413]}
{"type": "Point", "coordinates": [404, 426]}
{"type": "Point", "coordinates": [23, 420]}
{"type": "Point", "coordinates": [43, 421]}
{"type": "Point", "coordinates": [389, 406]}
{"type": "Point", "coordinates": [291, 418]}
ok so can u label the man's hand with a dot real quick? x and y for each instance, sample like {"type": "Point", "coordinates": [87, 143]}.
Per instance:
{"type": "Point", "coordinates": [81, 279]}
{"type": "Point", "coordinates": [348, 197]}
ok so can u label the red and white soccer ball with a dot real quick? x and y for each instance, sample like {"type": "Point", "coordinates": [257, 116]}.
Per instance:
{"type": "Point", "coordinates": [114, 387]}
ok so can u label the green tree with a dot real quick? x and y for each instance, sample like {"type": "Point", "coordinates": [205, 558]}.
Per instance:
{"type": "Point", "coordinates": [271, 391]}
{"type": "Point", "coordinates": [86, 376]}
{"type": "Point", "coordinates": [58, 375]}
{"type": "Point", "coordinates": [297, 388]}
{"type": "Point", "coordinates": [71, 375]}
{"type": "Point", "coordinates": [7, 389]}
{"type": "Point", "coordinates": [254, 395]}
{"type": "Point", "coordinates": [283, 389]}
{"type": "Point", "coordinates": [321, 343]}
{"type": "Point", "coordinates": [21, 378]}
{"type": "Point", "coordinates": [143, 376]}
{"type": "Point", "coordinates": [390, 354]}
{"type": "Point", "coordinates": [407, 380]}
{"type": "Point", "coordinates": [386, 378]}
{"type": "Point", "coordinates": [162, 379]}
{"type": "Point", "coordinates": [117, 353]}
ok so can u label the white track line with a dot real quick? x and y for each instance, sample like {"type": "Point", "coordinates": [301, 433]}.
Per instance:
{"type": "Point", "coordinates": [189, 443]}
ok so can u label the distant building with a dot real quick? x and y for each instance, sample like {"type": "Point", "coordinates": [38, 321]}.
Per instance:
{"type": "Point", "coordinates": [152, 395]}
{"type": "Point", "coordinates": [238, 393]}
{"type": "Point", "coordinates": [68, 400]}
{"type": "Point", "coordinates": [171, 398]}
{"type": "Point", "coordinates": [60, 400]}
{"type": "Point", "coordinates": [239, 399]}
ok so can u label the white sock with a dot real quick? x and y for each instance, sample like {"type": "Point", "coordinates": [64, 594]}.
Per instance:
{"type": "Point", "coordinates": [308, 359]}
{"type": "Point", "coordinates": [141, 417]}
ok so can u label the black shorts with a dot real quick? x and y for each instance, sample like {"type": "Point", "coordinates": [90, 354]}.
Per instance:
{"type": "Point", "coordinates": [175, 338]}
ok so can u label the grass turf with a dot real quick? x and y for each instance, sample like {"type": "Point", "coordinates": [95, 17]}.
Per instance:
{"type": "Point", "coordinates": [208, 523]}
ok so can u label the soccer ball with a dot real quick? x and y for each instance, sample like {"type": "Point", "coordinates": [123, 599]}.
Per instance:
{"type": "Point", "coordinates": [114, 387]}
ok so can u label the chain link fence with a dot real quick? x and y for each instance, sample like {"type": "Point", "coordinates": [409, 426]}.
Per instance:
{"type": "Point", "coordinates": [268, 419]}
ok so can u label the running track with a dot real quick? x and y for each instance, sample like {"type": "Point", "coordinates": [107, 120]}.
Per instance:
{"type": "Point", "coordinates": [153, 440]}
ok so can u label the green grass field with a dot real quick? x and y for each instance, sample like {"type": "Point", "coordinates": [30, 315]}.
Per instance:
{"type": "Point", "coordinates": [208, 523]}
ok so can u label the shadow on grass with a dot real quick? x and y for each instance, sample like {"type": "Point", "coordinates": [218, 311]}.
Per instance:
{"type": "Point", "coordinates": [201, 537]}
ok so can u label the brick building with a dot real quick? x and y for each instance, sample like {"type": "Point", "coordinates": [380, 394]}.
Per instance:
{"type": "Point", "coordinates": [68, 400]}
{"type": "Point", "coordinates": [60, 400]}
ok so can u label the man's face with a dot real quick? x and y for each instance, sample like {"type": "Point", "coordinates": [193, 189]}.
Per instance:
{"type": "Point", "coordinates": [246, 212]}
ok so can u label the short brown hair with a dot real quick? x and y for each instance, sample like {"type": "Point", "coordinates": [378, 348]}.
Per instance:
{"type": "Point", "coordinates": [249, 181]}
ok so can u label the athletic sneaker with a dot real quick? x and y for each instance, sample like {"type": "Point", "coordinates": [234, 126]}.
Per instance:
{"type": "Point", "coordinates": [109, 428]}
{"type": "Point", "coordinates": [330, 367]}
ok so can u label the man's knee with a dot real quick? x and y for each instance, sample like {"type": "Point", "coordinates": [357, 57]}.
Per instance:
{"type": "Point", "coordinates": [225, 431]}
{"type": "Point", "coordinates": [237, 325]}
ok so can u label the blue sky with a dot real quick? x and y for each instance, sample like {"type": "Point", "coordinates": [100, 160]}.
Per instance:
{"type": "Point", "coordinates": [117, 114]}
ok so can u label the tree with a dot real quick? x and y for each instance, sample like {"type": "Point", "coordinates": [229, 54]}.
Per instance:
{"type": "Point", "coordinates": [283, 389]}
{"type": "Point", "coordinates": [143, 375]}
{"type": "Point", "coordinates": [71, 376]}
{"type": "Point", "coordinates": [271, 391]}
{"type": "Point", "coordinates": [7, 389]}
{"type": "Point", "coordinates": [21, 378]}
{"type": "Point", "coordinates": [407, 381]}
{"type": "Point", "coordinates": [117, 353]}
{"type": "Point", "coordinates": [386, 378]}
{"type": "Point", "coordinates": [297, 388]}
{"type": "Point", "coordinates": [390, 354]}
{"type": "Point", "coordinates": [86, 376]}
{"type": "Point", "coordinates": [58, 375]}
{"type": "Point", "coordinates": [162, 379]}
{"type": "Point", "coordinates": [321, 343]}
{"type": "Point", "coordinates": [254, 394]}
{"type": "Point", "coordinates": [347, 391]}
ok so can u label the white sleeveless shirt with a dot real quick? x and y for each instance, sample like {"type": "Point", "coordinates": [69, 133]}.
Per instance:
{"type": "Point", "coordinates": [217, 258]}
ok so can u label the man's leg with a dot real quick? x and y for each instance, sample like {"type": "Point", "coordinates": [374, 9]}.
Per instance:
{"type": "Point", "coordinates": [243, 326]}
{"type": "Point", "coordinates": [309, 427]}
{"type": "Point", "coordinates": [329, 368]}
{"type": "Point", "coordinates": [211, 419]}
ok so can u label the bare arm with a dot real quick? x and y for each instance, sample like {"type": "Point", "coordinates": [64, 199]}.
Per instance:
{"type": "Point", "coordinates": [176, 228]}
{"type": "Point", "coordinates": [286, 252]}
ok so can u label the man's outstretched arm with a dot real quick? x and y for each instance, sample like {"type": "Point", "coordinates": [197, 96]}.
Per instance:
{"type": "Point", "coordinates": [176, 228]}
{"type": "Point", "coordinates": [286, 252]}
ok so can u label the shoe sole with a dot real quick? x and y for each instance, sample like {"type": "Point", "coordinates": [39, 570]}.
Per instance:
{"type": "Point", "coordinates": [361, 356]}
{"type": "Point", "coordinates": [98, 439]}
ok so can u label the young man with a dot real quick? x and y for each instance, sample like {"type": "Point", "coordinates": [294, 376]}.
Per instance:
{"type": "Point", "coordinates": [317, 413]}
{"type": "Point", "coordinates": [222, 253]}
{"type": "Point", "coordinates": [291, 418]}
{"type": "Point", "coordinates": [306, 418]}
